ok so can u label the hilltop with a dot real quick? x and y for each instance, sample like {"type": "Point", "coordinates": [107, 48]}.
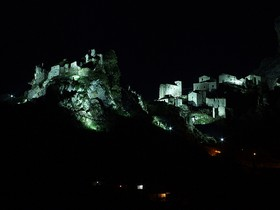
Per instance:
{"type": "Point", "coordinates": [78, 134]}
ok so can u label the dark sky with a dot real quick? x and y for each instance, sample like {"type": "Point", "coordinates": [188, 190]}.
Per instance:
{"type": "Point", "coordinates": [155, 42]}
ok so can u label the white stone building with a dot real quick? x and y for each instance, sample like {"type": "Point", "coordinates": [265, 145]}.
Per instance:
{"type": "Point", "coordinates": [204, 78]}
{"type": "Point", "coordinates": [218, 106]}
{"type": "Point", "coordinates": [205, 86]}
{"type": "Point", "coordinates": [256, 80]}
{"type": "Point", "coordinates": [176, 101]}
{"type": "Point", "coordinates": [227, 78]}
{"type": "Point", "coordinates": [171, 93]}
{"type": "Point", "coordinates": [197, 98]}
{"type": "Point", "coordinates": [174, 90]}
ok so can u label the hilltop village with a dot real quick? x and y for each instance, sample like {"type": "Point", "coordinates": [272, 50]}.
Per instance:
{"type": "Point", "coordinates": [206, 94]}
{"type": "Point", "coordinates": [132, 164]}
{"type": "Point", "coordinates": [90, 89]}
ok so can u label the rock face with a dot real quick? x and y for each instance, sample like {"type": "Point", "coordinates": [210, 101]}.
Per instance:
{"type": "Point", "coordinates": [90, 88]}
{"type": "Point", "coordinates": [270, 67]}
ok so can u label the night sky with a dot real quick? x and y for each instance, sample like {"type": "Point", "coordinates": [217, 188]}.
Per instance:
{"type": "Point", "coordinates": [155, 42]}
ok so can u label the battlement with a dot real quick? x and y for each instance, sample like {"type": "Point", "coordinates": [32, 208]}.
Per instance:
{"type": "Point", "coordinates": [74, 68]}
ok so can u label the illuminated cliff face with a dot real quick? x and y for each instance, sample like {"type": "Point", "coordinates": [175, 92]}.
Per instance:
{"type": "Point", "coordinates": [89, 89]}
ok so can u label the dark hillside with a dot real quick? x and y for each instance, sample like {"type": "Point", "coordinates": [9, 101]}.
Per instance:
{"type": "Point", "coordinates": [47, 156]}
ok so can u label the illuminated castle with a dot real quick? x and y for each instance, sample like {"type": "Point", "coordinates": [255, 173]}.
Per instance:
{"type": "Point", "coordinates": [171, 93]}
{"type": "Point", "coordinates": [73, 70]}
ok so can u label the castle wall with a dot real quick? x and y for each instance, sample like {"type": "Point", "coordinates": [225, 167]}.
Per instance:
{"type": "Point", "coordinates": [256, 80]}
{"type": "Point", "coordinates": [196, 98]}
{"type": "Point", "coordinates": [216, 102]}
{"type": "Point", "coordinates": [205, 86]}
{"type": "Point", "coordinates": [74, 65]}
{"type": "Point", "coordinates": [212, 85]}
{"type": "Point", "coordinates": [39, 76]}
{"type": "Point", "coordinates": [222, 111]}
{"type": "Point", "coordinates": [94, 57]}
{"type": "Point", "coordinates": [227, 78]}
{"type": "Point", "coordinates": [166, 100]}
{"type": "Point", "coordinates": [169, 89]}
{"type": "Point", "coordinates": [218, 106]}
{"type": "Point", "coordinates": [200, 86]}
{"type": "Point", "coordinates": [219, 112]}
{"type": "Point", "coordinates": [178, 102]}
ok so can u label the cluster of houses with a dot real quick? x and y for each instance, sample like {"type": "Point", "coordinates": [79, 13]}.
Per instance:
{"type": "Point", "coordinates": [199, 96]}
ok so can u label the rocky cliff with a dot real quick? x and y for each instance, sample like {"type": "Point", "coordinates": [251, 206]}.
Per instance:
{"type": "Point", "coordinates": [90, 88]}
{"type": "Point", "coordinates": [270, 67]}
{"type": "Point", "coordinates": [91, 91]}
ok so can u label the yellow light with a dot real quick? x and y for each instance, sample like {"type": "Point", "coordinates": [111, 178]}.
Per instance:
{"type": "Point", "coordinates": [162, 195]}
{"type": "Point", "coordinates": [213, 151]}
{"type": "Point", "coordinates": [217, 151]}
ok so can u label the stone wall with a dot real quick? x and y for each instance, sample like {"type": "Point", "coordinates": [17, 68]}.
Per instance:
{"type": "Point", "coordinates": [170, 89]}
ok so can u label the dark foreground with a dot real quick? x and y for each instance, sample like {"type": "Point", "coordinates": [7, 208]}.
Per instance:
{"type": "Point", "coordinates": [47, 164]}
{"type": "Point", "coordinates": [55, 181]}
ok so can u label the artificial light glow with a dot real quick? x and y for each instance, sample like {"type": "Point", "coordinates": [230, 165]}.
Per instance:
{"type": "Point", "coordinates": [24, 101]}
{"type": "Point", "coordinates": [160, 123]}
{"type": "Point", "coordinates": [96, 183]}
{"type": "Point", "coordinates": [162, 195]}
{"type": "Point", "coordinates": [213, 151]}
{"type": "Point", "coordinates": [140, 187]}
{"type": "Point", "coordinates": [88, 123]}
